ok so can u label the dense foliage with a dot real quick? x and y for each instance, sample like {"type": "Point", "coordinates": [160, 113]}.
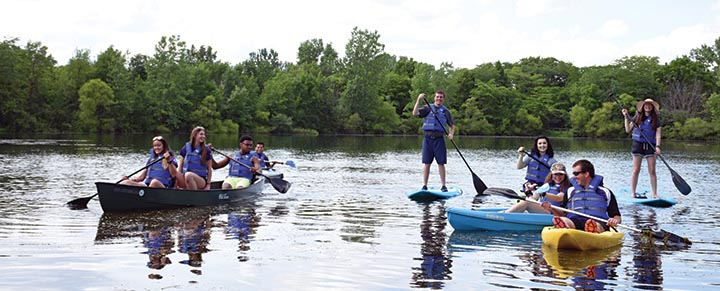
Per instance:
{"type": "Point", "coordinates": [367, 91]}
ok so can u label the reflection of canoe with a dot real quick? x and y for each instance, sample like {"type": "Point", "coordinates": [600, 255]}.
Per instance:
{"type": "Point", "coordinates": [434, 193]}
{"type": "Point", "coordinates": [463, 219]}
{"type": "Point", "coordinates": [117, 197]}
{"type": "Point", "coordinates": [464, 241]}
{"type": "Point", "coordinates": [566, 238]}
{"type": "Point", "coordinates": [570, 263]}
{"type": "Point", "coordinates": [113, 225]}
{"type": "Point", "coordinates": [663, 201]}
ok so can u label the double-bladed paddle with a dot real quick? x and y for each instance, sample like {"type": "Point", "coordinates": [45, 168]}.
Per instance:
{"type": "Point", "coordinates": [278, 183]}
{"type": "Point", "coordinates": [662, 235]}
{"type": "Point", "coordinates": [81, 203]}
{"type": "Point", "coordinates": [477, 182]}
{"type": "Point", "coordinates": [679, 182]}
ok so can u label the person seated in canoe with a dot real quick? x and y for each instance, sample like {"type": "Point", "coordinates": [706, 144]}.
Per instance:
{"type": "Point", "coordinates": [241, 176]}
{"type": "Point", "coordinates": [260, 153]}
{"type": "Point", "coordinates": [158, 175]}
{"type": "Point", "coordinates": [195, 162]}
{"type": "Point", "coordinates": [558, 184]}
{"type": "Point", "coordinates": [588, 196]}
{"type": "Point", "coordinates": [538, 163]}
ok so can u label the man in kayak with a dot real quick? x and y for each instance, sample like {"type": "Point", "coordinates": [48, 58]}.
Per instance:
{"type": "Point", "coordinates": [435, 118]}
{"type": "Point", "coordinates": [260, 153]}
{"type": "Point", "coordinates": [588, 196]}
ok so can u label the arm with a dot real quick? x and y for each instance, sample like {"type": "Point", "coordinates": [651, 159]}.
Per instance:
{"type": "Point", "coordinates": [520, 163]}
{"type": "Point", "coordinates": [626, 120]}
{"type": "Point", "coordinates": [209, 175]}
{"type": "Point", "coordinates": [257, 165]}
{"type": "Point", "coordinates": [222, 163]}
{"type": "Point", "coordinates": [658, 138]}
{"type": "Point", "coordinates": [171, 164]}
{"type": "Point", "coordinates": [416, 109]}
{"type": "Point", "coordinates": [613, 211]}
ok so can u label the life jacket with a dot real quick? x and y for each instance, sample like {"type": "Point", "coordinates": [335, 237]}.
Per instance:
{"type": "Point", "coordinates": [157, 172]}
{"type": "Point", "coordinates": [238, 170]}
{"type": "Point", "coordinates": [430, 123]}
{"type": "Point", "coordinates": [592, 200]}
{"type": "Point", "coordinates": [536, 172]}
{"type": "Point", "coordinates": [192, 161]}
{"type": "Point", "coordinates": [264, 158]}
{"type": "Point", "coordinates": [554, 189]}
{"type": "Point", "coordinates": [645, 128]}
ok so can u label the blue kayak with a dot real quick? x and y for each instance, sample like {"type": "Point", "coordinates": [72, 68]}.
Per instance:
{"type": "Point", "coordinates": [664, 201]}
{"type": "Point", "coordinates": [492, 219]}
{"type": "Point", "coordinates": [434, 193]}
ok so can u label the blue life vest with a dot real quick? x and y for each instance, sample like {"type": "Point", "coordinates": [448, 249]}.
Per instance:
{"type": "Point", "coordinates": [157, 172]}
{"type": "Point", "coordinates": [238, 170]}
{"type": "Point", "coordinates": [430, 123]}
{"type": "Point", "coordinates": [264, 158]}
{"type": "Point", "coordinates": [593, 200]}
{"type": "Point", "coordinates": [536, 172]}
{"type": "Point", "coordinates": [554, 189]}
{"type": "Point", "coordinates": [646, 129]}
{"type": "Point", "coordinates": [193, 161]}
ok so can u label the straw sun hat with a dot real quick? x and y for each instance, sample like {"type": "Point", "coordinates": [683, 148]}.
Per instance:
{"type": "Point", "coordinates": [640, 104]}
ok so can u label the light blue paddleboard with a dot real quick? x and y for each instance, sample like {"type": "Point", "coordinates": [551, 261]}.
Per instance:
{"type": "Point", "coordinates": [434, 193]}
{"type": "Point", "coordinates": [664, 201]}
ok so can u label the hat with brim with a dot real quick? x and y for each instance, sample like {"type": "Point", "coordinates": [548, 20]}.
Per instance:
{"type": "Point", "coordinates": [558, 168]}
{"type": "Point", "coordinates": [639, 106]}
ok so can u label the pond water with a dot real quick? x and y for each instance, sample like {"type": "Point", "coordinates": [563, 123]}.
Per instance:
{"type": "Point", "coordinates": [345, 224]}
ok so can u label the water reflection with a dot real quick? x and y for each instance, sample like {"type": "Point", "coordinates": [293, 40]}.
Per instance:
{"type": "Point", "coordinates": [193, 238]}
{"type": "Point", "coordinates": [435, 261]}
{"type": "Point", "coordinates": [647, 263]}
{"type": "Point", "coordinates": [159, 244]}
{"type": "Point", "coordinates": [242, 225]}
{"type": "Point", "coordinates": [587, 270]}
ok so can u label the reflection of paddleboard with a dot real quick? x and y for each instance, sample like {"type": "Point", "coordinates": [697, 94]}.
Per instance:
{"type": "Point", "coordinates": [434, 193]}
{"type": "Point", "coordinates": [492, 219]}
{"type": "Point", "coordinates": [570, 238]}
{"type": "Point", "coordinates": [571, 263]}
{"type": "Point", "coordinates": [664, 200]}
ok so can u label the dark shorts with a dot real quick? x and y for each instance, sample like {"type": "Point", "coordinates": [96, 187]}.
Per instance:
{"type": "Point", "coordinates": [433, 147]}
{"type": "Point", "coordinates": [579, 222]}
{"type": "Point", "coordinates": [642, 149]}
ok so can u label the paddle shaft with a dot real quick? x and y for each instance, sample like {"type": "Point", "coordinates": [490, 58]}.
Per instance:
{"type": "Point", "coordinates": [583, 214]}
{"type": "Point", "coordinates": [143, 168]}
{"type": "Point", "coordinates": [234, 160]}
{"type": "Point", "coordinates": [536, 159]}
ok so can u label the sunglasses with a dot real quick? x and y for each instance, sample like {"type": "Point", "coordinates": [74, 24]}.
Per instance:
{"type": "Point", "coordinates": [578, 173]}
{"type": "Point", "coordinates": [247, 144]}
{"type": "Point", "coordinates": [157, 138]}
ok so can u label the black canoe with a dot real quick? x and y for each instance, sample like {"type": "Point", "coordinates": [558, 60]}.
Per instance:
{"type": "Point", "coordinates": [118, 197]}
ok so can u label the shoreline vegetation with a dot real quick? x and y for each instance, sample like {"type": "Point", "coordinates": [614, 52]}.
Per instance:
{"type": "Point", "coordinates": [367, 91]}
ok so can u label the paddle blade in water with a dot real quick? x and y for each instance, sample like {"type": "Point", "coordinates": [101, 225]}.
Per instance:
{"type": "Point", "coordinates": [509, 193]}
{"type": "Point", "coordinates": [680, 184]}
{"type": "Point", "coordinates": [80, 203]}
{"type": "Point", "coordinates": [480, 186]}
{"type": "Point", "coordinates": [280, 185]}
{"type": "Point", "coordinates": [290, 164]}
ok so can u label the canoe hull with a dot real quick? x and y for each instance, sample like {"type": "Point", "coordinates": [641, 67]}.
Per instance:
{"type": "Point", "coordinates": [566, 238]}
{"type": "Point", "coordinates": [434, 193]}
{"type": "Point", "coordinates": [491, 219]}
{"type": "Point", "coordinates": [117, 197]}
{"type": "Point", "coordinates": [662, 202]}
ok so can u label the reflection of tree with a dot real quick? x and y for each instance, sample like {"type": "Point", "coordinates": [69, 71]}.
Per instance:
{"type": "Point", "coordinates": [436, 262]}
{"type": "Point", "coordinates": [159, 245]}
{"type": "Point", "coordinates": [646, 258]}
{"type": "Point", "coordinates": [193, 239]}
{"type": "Point", "coordinates": [242, 224]}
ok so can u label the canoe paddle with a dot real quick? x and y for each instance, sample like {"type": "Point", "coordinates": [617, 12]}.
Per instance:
{"type": "Point", "coordinates": [679, 182]}
{"type": "Point", "coordinates": [278, 183]}
{"type": "Point", "coordinates": [477, 182]}
{"type": "Point", "coordinates": [536, 159]}
{"type": "Point", "coordinates": [81, 203]}
{"type": "Point", "coordinates": [288, 163]}
{"type": "Point", "coordinates": [662, 235]}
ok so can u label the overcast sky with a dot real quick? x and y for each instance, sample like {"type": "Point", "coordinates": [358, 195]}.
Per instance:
{"type": "Point", "coordinates": [464, 33]}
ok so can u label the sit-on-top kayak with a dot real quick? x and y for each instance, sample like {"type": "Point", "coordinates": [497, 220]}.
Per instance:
{"type": "Point", "coordinates": [664, 201]}
{"type": "Point", "coordinates": [569, 238]}
{"type": "Point", "coordinates": [434, 193]}
{"type": "Point", "coordinates": [492, 219]}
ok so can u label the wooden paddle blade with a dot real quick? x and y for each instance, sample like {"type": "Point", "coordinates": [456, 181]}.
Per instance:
{"type": "Point", "coordinates": [280, 185]}
{"type": "Point", "coordinates": [507, 192]}
{"type": "Point", "coordinates": [680, 183]}
{"type": "Point", "coordinates": [480, 186]}
{"type": "Point", "coordinates": [80, 203]}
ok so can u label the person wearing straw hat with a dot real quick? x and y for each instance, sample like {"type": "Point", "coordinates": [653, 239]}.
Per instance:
{"type": "Point", "coordinates": [557, 182]}
{"type": "Point", "coordinates": [646, 139]}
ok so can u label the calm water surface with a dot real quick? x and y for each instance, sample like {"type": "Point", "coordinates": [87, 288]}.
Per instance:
{"type": "Point", "coordinates": [346, 223]}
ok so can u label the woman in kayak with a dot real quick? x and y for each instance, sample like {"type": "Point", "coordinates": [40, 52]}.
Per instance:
{"type": "Point", "coordinates": [158, 175]}
{"type": "Point", "coordinates": [587, 196]}
{"type": "Point", "coordinates": [558, 183]}
{"type": "Point", "coordinates": [538, 163]}
{"type": "Point", "coordinates": [195, 162]}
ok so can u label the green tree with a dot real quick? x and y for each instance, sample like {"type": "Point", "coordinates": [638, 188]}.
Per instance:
{"type": "Point", "coordinates": [96, 101]}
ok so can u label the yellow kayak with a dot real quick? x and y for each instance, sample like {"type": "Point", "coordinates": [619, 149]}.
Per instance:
{"type": "Point", "coordinates": [566, 238]}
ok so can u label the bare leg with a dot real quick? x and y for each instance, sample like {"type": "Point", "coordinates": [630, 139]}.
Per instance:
{"type": "Point", "coordinates": [651, 162]}
{"type": "Point", "coordinates": [156, 184]}
{"type": "Point", "coordinates": [194, 182]}
{"type": "Point", "coordinates": [637, 162]}
{"type": "Point", "coordinates": [523, 206]}
{"type": "Point", "coordinates": [133, 183]}
{"type": "Point", "coordinates": [226, 186]}
{"type": "Point", "coordinates": [426, 173]}
{"type": "Point", "coordinates": [441, 169]}
{"type": "Point", "coordinates": [180, 181]}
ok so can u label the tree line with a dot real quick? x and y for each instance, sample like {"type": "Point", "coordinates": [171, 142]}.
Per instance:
{"type": "Point", "coordinates": [368, 91]}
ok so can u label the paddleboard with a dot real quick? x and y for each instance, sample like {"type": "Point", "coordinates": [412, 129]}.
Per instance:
{"type": "Point", "coordinates": [434, 193]}
{"type": "Point", "coordinates": [664, 201]}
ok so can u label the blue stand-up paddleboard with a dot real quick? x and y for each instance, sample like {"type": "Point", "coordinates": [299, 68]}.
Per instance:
{"type": "Point", "coordinates": [492, 219]}
{"type": "Point", "coordinates": [664, 201]}
{"type": "Point", "coordinates": [434, 193]}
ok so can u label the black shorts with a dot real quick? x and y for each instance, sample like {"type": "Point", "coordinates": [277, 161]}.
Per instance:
{"type": "Point", "coordinates": [642, 149]}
